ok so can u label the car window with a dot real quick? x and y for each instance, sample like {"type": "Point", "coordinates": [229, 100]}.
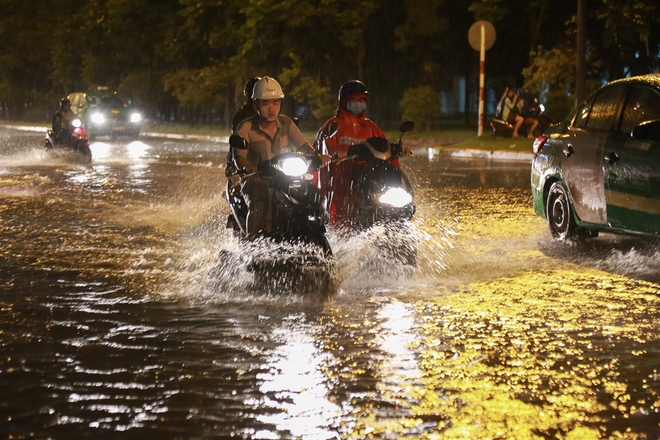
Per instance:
{"type": "Point", "coordinates": [643, 104]}
{"type": "Point", "coordinates": [112, 101]}
{"type": "Point", "coordinates": [94, 101]}
{"type": "Point", "coordinates": [604, 110]}
{"type": "Point", "coordinates": [582, 115]}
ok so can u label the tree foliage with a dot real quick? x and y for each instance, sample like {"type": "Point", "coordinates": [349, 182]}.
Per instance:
{"type": "Point", "coordinates": [422, 105]}
{"type": "Point", "coordinates": [188, 59]}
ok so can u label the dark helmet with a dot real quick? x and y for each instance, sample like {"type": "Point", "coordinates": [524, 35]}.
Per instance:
{"type": "Point", "coordinates": [351, 88]}
{"type": "Point", "coordinates": [249, 86]}
{"type": "Point", "coordinates": [64, 101]}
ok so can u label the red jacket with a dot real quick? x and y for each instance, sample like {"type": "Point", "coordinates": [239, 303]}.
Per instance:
{"type": "Point", "coordinates": [337, 177]}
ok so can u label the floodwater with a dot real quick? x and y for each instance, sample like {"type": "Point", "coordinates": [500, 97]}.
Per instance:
{"type": "Point", "coordinates": [122, 316]}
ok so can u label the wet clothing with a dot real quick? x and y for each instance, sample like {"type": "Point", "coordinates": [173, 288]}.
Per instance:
{"type": "Point", "coordinates": [62, 124]}
{"type": "Point", "coordinates": [336, 179]}
{"type": "Point", "coordinates": [262, 147]}
{"type": "Point", "coordinates": [245, 112]}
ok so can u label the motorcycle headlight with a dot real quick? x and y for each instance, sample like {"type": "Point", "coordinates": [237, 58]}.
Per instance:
{"type": "Point", "coordinates": [293, 166]}
{"type": "Point", "coordinates": [76, 123]}
{"type": "Point", "coordinates": [396, 197]}
{"type": "Point", "coordinates": [98, 118]}
{"type": "Point", "coordinates": [135, 118]}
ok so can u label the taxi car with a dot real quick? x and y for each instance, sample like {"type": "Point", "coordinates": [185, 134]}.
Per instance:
{"type": "Point", "coordinates": [599, 169]}
{"type": "Point", "coordinates": [105, 113]}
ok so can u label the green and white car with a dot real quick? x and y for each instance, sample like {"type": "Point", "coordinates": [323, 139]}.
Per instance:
{"type": "Point", "coordinates": [599, 169]}
{"type": "Point", "coordinates": [105, 113]}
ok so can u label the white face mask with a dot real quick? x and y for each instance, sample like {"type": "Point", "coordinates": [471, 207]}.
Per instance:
{"type": "Point", "coordinates": [356, 107]}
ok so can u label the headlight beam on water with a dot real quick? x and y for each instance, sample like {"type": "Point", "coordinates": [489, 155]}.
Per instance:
{"type": "Point", "coordinates": [396, 197]}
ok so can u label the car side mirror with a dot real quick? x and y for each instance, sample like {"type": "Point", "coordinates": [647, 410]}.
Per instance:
{"type": "Point", "coordinates": [647, 131]}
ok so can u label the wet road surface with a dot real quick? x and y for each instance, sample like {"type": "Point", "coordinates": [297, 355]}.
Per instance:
{"type": "Point", "coordinates": [120, 319]}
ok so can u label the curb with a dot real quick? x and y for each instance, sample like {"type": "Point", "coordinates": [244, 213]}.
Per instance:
{"type": "Point", "coordinates": [221, 139]}
{"type": "Point", "coordinates": [481, 154]}
{"type": "Point", "coordinates": [432, 151]}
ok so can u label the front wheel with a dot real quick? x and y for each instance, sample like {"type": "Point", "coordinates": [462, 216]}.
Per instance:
{"type": "Point", "coordinates": [86, 152]}
{"type": "Point", "coordinates": [560, 216]}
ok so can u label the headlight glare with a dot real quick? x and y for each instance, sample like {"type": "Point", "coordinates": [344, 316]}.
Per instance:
{"type": "Point", "coordinates": [293, 166]}
{"type": "Point", "coordinates": [135, 118]}
{"type": "Point", "coordinates": [396, 197]}
{"type": "Point", "coordinates": [98, 118]}
{"type": "Point", "coordinates": [76, 123]}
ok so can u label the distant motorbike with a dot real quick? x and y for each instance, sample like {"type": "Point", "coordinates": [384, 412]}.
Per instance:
{"type": "Point", "coordinates": [385, 195]}
{"type": "Point", "coordinates": [75, 141]}
{"type": "Point", "coordinates": [531, 108]}
{"type": "Point", "coordinates": [298, 205]}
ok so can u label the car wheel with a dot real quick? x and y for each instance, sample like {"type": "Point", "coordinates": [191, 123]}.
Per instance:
{"type": "Point", "coordinates": [560, 217]}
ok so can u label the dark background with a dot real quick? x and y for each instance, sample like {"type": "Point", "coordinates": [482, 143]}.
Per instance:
{"type": "Point", "coordinates": [187, 60]}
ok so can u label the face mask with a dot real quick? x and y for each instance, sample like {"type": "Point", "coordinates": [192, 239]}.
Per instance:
{"type": "Point", "coordinates": [356, 107]}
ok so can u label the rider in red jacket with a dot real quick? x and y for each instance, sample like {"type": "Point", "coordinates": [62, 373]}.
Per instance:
{"type": "Point", "coordinates": [353, 127]}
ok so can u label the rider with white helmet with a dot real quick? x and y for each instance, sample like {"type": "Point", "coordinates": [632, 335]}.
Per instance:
{"type": "Point", "coordinates": [268, 133]}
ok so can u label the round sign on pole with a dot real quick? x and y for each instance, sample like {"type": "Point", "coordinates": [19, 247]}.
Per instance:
{"type": "Point", "coordinates": [474, 35]}
{"type": "Point", "coordinates": [482, 38]}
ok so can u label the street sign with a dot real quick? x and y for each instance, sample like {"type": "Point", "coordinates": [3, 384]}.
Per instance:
{"type": "Point", "coordinates": [474, 35]}
{"type": "Point", "coordinates": [481, 37]}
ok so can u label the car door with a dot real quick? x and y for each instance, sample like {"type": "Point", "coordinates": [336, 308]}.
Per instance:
{"type": "Point", "coordinates": [582, 155]}
{"type": "Point", "coordinates": [632, 166]}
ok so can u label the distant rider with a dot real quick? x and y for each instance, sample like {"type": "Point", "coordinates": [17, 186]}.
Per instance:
{"type": "Point", "coordinates": [353, 127]}
{"type": "Point", "coordinates": [267, 134]}
{"type": "Point", "coordinates": [62, 121]}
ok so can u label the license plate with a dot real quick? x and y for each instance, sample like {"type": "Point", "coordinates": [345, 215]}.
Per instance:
{"type": "Point", "coordinates": [119, 128]}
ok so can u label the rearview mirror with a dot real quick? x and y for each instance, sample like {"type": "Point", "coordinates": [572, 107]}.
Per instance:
{"type": "Point", "coordinates": [237, 142]}
{"type": "Point", "coordinates": [407, 126]}
{"type": "Point", "coordinates": [330, 130]}
{"type": "Point", "coordinates": [647, 131]}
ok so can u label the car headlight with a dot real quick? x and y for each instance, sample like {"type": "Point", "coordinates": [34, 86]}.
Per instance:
{"type": "Point", "coordinates": [292, 166]}
{"type": "Point", "coordinates": [98, 118]}
{"type": "Point", "coordinates": [135, 118]}
{"type": "Point", "coordinates": [76, 123]}
{"type": "Point", "coordinates": [396, 197]}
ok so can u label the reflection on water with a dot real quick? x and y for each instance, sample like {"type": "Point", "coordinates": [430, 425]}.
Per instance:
{"type": "Point", "coordinates": [127, 310]}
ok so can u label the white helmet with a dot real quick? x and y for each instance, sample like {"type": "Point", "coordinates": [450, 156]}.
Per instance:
{"type": "Point", "coordinates": [267, 88]}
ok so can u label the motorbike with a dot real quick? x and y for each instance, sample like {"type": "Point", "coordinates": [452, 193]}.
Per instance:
{"type": "Point", "coordinates": [76, 141]}
{"type": "Point", "coordinates": [297, 208]}
{"type": "Point", "coordinates": [384, 194]}
{"type": "Point", "coordinates": [532, 108]}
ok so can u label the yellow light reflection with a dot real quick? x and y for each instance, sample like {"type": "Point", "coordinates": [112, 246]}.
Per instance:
{"type": "Point", "coordinates": [137, 149]}
{"type": "Point", "coordinates": [296, 386]}
{"type": "Point", "coordinates": [100, 150]}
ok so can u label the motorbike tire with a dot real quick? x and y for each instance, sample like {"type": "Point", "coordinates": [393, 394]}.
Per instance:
{"type": "Point", "coordinates": [86, 152]}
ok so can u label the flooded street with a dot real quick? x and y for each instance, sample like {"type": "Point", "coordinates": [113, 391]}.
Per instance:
{"type": "Point", "coordinates": [120, 318]}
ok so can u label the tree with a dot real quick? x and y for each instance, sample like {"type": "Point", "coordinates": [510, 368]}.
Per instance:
{"type": "Point", "coordinates": [422, 105]}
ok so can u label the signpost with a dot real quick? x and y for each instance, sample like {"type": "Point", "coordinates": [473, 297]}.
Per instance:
{"type": "Point", "coordinates": [481, 37]}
